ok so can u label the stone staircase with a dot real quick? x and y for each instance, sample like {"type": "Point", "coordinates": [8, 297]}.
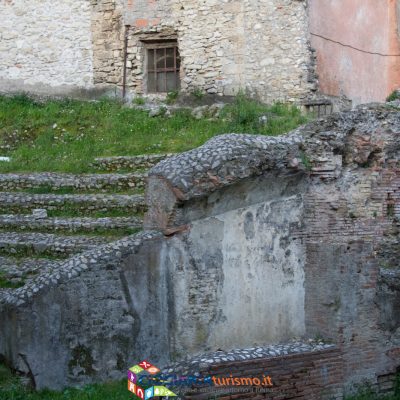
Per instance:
{"type": "Point", "coordinates": [45, 218]}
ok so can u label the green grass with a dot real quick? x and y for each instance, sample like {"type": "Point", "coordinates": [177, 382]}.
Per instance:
{"type": "Point", "coordinates": [395, 95]}
{"type": "Point", "coordinates": [110, 233]}
{"type": "Point", "coordinates": [70, 211]}
{"type": "Point", "coordinates": [7, 284]}
{"type": "Point", "coordinates": [11, 389]}
{"type": "Point", "coordinates": [46, 189]}
{"type": "Point", "coordinates": [66, 136]}
{"type": "Point", "coordinates": [29, 252]}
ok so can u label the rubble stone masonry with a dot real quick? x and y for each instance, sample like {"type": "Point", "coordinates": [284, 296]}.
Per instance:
{"type": "Point", "coordinates": [60, 48]}
{"type": "Point", "coordinates": [45, 46]}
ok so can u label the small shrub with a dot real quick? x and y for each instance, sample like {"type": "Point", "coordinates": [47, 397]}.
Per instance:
{"type": "Point", "coordinates": [305, 160]}
{"type": "Point", "coordinates": [172, 97]}
{"type": "Point", "coordinates": [139, 101]}
{"type": "Point", "coordinates": [198, 94]}
{"type": "Point", "coordinates": [395, 95]}
{"type": "Point", "coordinates": [245, 111]}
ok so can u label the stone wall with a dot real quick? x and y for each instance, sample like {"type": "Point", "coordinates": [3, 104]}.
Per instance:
{"type": "Point", "coordinates": [302, 375]}
{"type": "Point", "coordinates": [45, 46]}
{"type": "Point", "coordinates": [108, 43]}
{"type": "Point", "coordinates": [73, 48]}
{"type": "Point", "coordinates": [259, 46]}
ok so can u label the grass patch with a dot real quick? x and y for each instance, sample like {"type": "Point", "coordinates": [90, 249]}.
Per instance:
{"type": "Point", "coordinates": [11, 389]}
{"type": "Point", "coordinates": [70, 211]}
{"type": "Point", "coordinates": [7, 284]}
{"type": "Point", "coordinates": [48, 189]}
{"type": "Point", "coordinates": [29, 252]}
{"type": "Point", "coordinates": [66, 136]}
{"type": "Point", "coordinates": [110, 233]}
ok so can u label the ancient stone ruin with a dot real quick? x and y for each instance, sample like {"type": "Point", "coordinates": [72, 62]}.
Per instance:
{"type": "Point", "coordinates": [252, 246]}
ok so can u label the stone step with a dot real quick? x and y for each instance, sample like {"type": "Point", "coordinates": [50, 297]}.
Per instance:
{"type": "Point", "coordinates": [30, 244]}
{"type": "Point", "coordinates": [145, 161]}
{"type": "Point", "coordinates": [83, 182]}
{"type": "Point", "coordinates": [31, 223]}
{"type": "Point", "coordinates": [17, 201]}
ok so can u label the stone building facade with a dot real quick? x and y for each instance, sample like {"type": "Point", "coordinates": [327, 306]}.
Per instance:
{"type": "Point", "coordinates": [221, 47]}
{"type": "Point", "coordinates": [267, 48]}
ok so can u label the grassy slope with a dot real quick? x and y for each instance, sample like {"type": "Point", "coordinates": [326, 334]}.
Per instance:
{"type": "Point", "coordinates": [86, 130]}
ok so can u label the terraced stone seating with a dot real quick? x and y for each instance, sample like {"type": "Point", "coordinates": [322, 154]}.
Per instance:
{"type": "Point", "coordinates": [45, 218]}
{"type": "Point", "coordinates": [138, 162]}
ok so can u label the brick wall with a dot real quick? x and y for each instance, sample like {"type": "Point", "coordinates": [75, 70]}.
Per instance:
{"type": "Point", "coordinates": [351, 239]}
{"type": "Point", "coordinates": [313, 375]}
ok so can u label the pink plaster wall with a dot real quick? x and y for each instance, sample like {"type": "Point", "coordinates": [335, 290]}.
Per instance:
{"type": "Point", "coordinates": [370, 25]}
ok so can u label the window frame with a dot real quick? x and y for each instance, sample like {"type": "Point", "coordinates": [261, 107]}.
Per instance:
{"type": "Point", "coordinates": [155, 45]}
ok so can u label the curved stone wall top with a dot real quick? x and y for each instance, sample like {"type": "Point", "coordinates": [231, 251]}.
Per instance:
{"type": "Point", "coordinates": [224, 160]}
{"type": "Point", "coordinates": [317, 149]}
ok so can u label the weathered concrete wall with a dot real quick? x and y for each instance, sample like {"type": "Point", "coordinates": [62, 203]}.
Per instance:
{"type": "Point", "coordinates": [239, 279]}
{"type": "Point", "coordinates": [367, 25]}
{"type": "Point", "coordinates": [89, 320]}
{"type": "Point", "coordinates": [46, 46]}
{"type": "Point", "coordinates": [259, 46]}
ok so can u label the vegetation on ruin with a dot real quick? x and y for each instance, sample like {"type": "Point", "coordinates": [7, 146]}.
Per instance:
{"type": "Point", "coordinates": [66, 135]}
{"type": "Point", "coordinates": [12, 389]}
{"type": "Point", "coordinates": [395, 95]}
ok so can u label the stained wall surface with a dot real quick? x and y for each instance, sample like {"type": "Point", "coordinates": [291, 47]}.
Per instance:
{"type": "Point", "coordinates": [367, 25]}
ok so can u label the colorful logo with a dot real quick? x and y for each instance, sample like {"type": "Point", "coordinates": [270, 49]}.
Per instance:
{"type": "Point", "coordinates": [154, 391]}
